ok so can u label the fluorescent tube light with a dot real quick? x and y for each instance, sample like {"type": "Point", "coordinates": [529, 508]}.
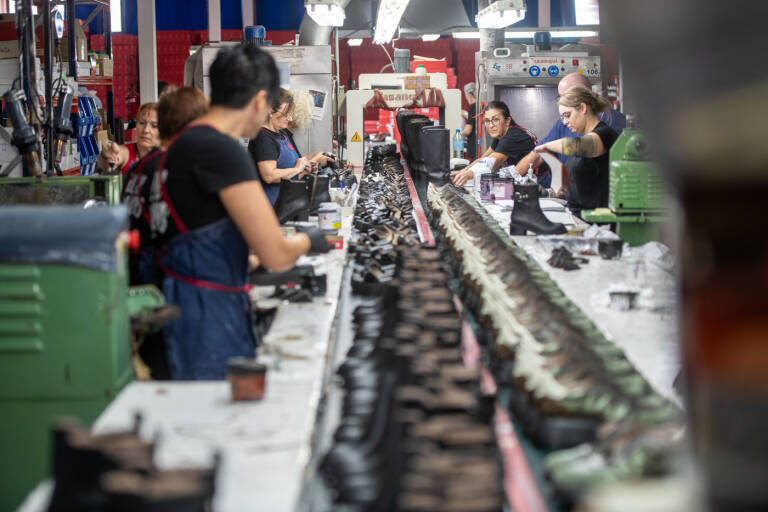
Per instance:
{"type": "Point", "coordinates": [466, 35]}
{"type": "Point", "coordinates": [388, 19]}
{"type": "Point", "coordinates": [326, 13]}
{"type": "Point", "coordinates": [430, 37]}
{"type": "Point", "coordinates": [355, 41]}
{"type": "Point", "coordinates": [501, 13]}
{"type": "Point", "coordinates": [587, 12]}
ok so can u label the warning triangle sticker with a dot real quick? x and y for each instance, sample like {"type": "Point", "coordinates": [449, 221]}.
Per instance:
{"type": "Point", "coordinates": [356, 137]}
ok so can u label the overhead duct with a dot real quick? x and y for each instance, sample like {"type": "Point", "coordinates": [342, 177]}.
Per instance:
{"type": "Point", "coordinates": [312, 34]}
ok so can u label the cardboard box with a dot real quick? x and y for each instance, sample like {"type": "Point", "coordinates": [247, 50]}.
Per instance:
{"type": "Point", "coordinates": [106, 67]}
{"type": "Point", "coordinates": [9, 49]}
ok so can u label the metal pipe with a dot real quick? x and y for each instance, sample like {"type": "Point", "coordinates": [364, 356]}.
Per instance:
{"type": "Point", "coordinates": [71, 43]}
{"type": "Point", "coordinates": [337, 127]}
{"type": "Point", "coordinates": [48, 72]}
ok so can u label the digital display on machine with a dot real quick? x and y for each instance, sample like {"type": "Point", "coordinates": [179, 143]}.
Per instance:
{"type": "Point", "coordinates": [532, 107]}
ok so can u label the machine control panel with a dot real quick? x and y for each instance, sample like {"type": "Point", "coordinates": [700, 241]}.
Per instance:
{"type": "Point", "coordinates": [543, 66]}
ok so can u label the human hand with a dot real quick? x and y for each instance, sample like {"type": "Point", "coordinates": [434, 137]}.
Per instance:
{"type": "Point", "coordinates": [302, 164]}
{"type": "Point", "coordinates": [111, 153]}
{"type": "Point", "coordinates": [318, 244]}
{"type": "Point", "coordinates": [463, 176]}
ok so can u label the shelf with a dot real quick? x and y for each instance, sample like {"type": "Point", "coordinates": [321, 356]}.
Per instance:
{"type": "Point", "coordinates": [94, 80]}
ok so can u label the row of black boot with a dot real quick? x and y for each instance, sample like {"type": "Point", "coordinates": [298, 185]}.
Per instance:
{"type": "Point", "coordinates": [116, 473]}
{"type": "Point", "coordinates": [383, 220]}
{"type": "Point", "coordinates": [425, 146]}
{"type": "Point", "coordinates": [415, 433]}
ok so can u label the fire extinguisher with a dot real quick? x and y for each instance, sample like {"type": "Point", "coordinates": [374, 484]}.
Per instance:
{"type": "Point", "coordinates": [132, 103]}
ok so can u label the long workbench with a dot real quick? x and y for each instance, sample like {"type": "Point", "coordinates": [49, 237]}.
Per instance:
{"type": "Point", "coordinates": [269, 447]}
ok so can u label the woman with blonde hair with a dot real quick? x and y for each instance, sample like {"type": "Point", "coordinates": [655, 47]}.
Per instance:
{"type": "Point", "coordinates": [303, 103]}
{"type": "Point", "coordinates": [587, 161]}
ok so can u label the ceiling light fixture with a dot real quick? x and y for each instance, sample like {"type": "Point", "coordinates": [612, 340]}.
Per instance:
{"type": "Point", "coordinates": [326, 13]}
{"type": "Point", "coordinates": [501, 13]}
{"type": "Point", "coordinates": [355, 41]}
{"type": "Point", "coordinates": [556, 34]}
{"type": "Point", "coordinates": [430, 37]}
{"type": "Point", "coordinates": [388, 19]}
{"type": "Point", "coordinates": [562, 34]}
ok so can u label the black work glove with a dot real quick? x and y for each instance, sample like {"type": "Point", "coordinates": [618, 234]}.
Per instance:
{"type": "Point", "coordinates": [317, 241]}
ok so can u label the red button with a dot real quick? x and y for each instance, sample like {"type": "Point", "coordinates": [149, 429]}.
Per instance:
{"type": "Point", "coordinates": [575, 62]}
{"type": "Point", "coordinates": [525, 62]}
{"type": "Point", "coordinates": [134, 240]}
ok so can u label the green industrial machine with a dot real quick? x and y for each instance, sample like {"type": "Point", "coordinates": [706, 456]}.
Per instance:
{"type": "Point", "coordinates": [637, 192]}
{"type": "Point", "coordinates": [61, 190]}
{"type": "Point", "coordinates": [64, 328]}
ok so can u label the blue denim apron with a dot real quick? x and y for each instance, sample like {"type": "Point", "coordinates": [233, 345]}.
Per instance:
{"type": "Point", "coordinates": [285, 160]}
{"type": "Point", "coordinates": [206, 275]}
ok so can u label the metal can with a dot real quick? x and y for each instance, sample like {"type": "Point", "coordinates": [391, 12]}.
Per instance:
{"type": "Point", "coordinates": [329, 217]}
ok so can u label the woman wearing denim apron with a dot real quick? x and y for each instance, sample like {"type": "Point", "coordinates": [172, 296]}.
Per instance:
{"type": "Point", "coordinates": [209, 210]}
{"type": "Point", "coordinates": [273, 151]}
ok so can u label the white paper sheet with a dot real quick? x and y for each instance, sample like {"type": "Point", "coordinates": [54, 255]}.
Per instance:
{"type": "Point", "coordinates": [556, 166]}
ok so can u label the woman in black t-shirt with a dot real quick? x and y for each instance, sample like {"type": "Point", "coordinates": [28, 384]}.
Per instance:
{"type": "Point", "coordinates": [588, 155]}
{"type": "Point", "coordinates": [510, 141]}
{"type": "Point", "coordinates": [273, 151]}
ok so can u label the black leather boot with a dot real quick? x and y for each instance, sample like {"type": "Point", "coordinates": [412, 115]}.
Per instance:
{"type": "Point", "coordinates": [320, 193]}
{"type": "Point", "coordinates": [435, 147]}
{"type": "Point", "coordinates": [293, 201]}
{"type": "Point", "coordinates": [527, 214]}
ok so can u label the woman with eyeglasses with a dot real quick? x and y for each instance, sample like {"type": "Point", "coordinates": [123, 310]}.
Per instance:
{"type": "Point", "coordinates": [510, 141]}
{"type": "Point", "coordinates": [587, 161]}
{"type": "Point", "coordinates": [273, 150]}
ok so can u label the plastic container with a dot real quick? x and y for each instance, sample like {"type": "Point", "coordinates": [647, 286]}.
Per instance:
{"type": "Point", "coordinates": [247, 379]}
{"type": "Point", "coordinates": [329, 217]}
{"type": "Point", "coordinates": [458, 145]}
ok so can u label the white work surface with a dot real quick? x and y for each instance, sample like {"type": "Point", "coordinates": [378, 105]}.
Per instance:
{"type": "Point", "coordinates": [266, 444]}
{"type": "Point", "coordinates": [649, 339]}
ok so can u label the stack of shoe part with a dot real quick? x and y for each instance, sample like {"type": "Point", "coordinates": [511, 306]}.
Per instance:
{"type": "Point", "coordinates": [567, 379]}
{"type": "Point", "coordinates": [415, 433]}
{"type": "Point", "coordinates": [383, 220]}
{"type": "Point", "coordinates": [116, 473]}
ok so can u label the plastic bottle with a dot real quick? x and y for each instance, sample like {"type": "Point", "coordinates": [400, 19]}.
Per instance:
{"type": "Point", "coordinates": [530, 176]}
{"type": "Point", "coordinates": [458, 145]}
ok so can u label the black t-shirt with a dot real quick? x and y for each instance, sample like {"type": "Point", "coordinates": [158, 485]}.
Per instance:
{"type": "Point", "coordinates": [472, 137]}
{"type": "Point", "coordinates": [516, 143]}
{"type": "Point", "coordinates": [266, 145]}
{"type": "Point", "coordinates": [590, 176]}
{"type": "Point", "coordinates": [200, 163]}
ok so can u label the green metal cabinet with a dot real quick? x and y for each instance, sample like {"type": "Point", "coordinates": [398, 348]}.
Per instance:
{"type": "Point", "coordinates": [64, 330]}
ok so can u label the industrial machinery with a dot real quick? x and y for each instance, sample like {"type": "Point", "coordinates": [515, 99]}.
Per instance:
{"type": "Point", "coordinates": [306, 68]}
{"type": "Point", "coordinates": [526, 78]}
{"type": "Point", "coordinates": [397, 90]}
{"type": "Point", "coordinates": [64, 328]}
{"type": "Point", "coordinates": [637, 194]}
{"type": "Point", "coordinates": [61, 190]}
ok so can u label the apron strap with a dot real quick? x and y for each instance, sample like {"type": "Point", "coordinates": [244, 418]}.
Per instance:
{"type": "Point", "coordinates": [139, 174]}
{"type": "Point", "coordinates": [166, 198]}
{"type": "Point", "coordinates": [200, 283]}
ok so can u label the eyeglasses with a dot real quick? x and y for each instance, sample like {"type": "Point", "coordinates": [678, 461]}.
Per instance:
{"type": "Point", "coordinates": [493, 121]}
{"type": "Point", "coordinates": [565, 115]}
